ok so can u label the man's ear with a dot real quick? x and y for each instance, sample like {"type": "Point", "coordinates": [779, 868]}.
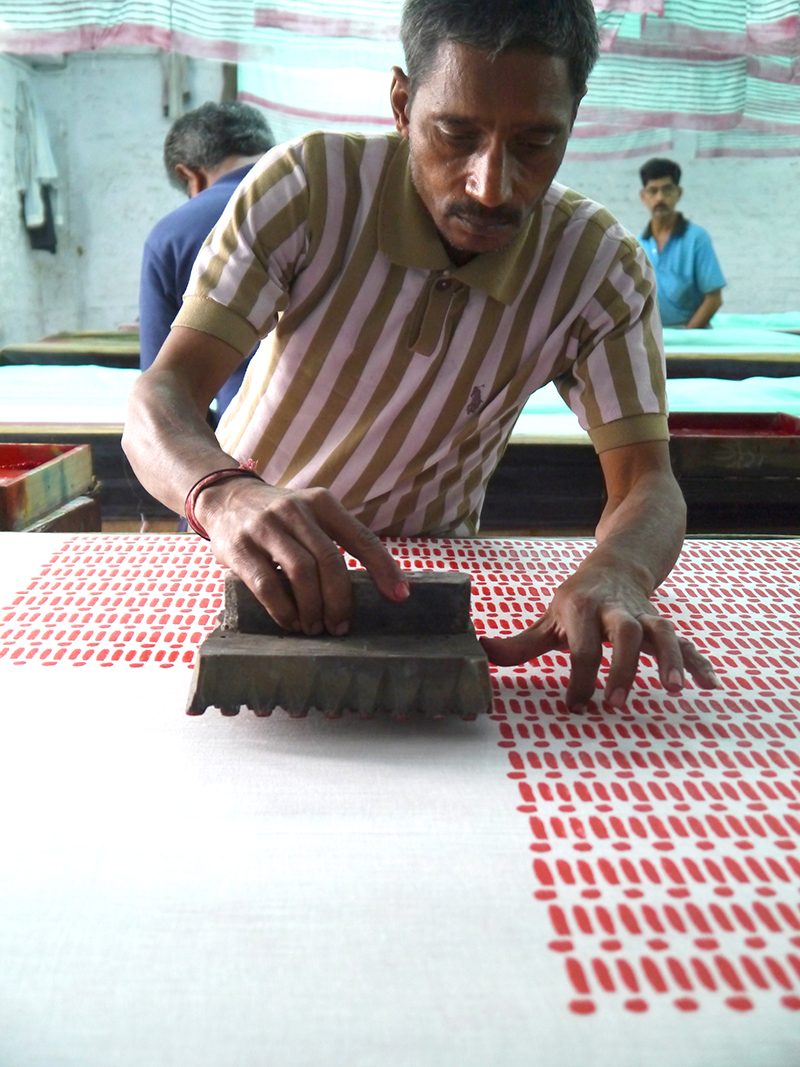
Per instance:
{"type": "Point", "coordinates": [680, 194]}
{"type": "Point", "coordinates": [400, 95]}
{"type": "Point", "coordinates": [196, 180]}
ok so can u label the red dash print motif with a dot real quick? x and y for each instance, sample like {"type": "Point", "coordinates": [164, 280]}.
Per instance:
{"type": "Point", "coordinates": [671, 827]}
{"type": "Point", "coordinates": [663, 837]}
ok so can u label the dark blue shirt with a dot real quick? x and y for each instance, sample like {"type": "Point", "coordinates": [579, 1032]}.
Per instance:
{"type": "Point", "coordinates": [169, 254]}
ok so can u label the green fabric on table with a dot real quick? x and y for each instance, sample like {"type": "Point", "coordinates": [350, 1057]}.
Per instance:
{"type": "Point", "coordinates": [733, 341]}
{"type": "Point", "coordinates": [545, 414]}
{"type": "Point", "coordinates": [766, 395]}
{"type": "Point", "coordinates": [771, 320]}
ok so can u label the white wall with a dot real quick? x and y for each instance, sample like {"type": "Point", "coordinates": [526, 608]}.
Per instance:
{"type": "Point", "coordinates": [104, 110]}
{"type": "Point", "coordinates": [107, 128]}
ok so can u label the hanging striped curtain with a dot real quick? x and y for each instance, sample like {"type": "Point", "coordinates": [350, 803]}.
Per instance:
{"type": "Point", "coordinates": [729, 69]}
{"type": "Point", "coordinates": [209, 28]}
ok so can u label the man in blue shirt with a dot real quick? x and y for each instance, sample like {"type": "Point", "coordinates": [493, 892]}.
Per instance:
{"type": "Point", "coordinates": [688, 275]}
{"type": "Point", "coordinates": [207, 153]}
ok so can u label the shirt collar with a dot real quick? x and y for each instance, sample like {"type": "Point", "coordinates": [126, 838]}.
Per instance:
{"type": "Point", "coordinates": [678, 230]}
{"type": "Point", "coordinates": [408, 237]}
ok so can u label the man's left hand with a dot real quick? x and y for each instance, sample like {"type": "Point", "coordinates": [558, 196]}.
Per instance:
{"type": "Point", "coordinates": [600, 604]}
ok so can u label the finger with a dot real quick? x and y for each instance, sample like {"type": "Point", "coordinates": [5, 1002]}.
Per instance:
{"type": "Point", "coordinates": [522, 647]}
{"type": "Point", "coordinates": [260, 575]}
{"type": "Point", "coordinates": [315, 568]}
{"type": "Point", "coordinates": [361, 543]}
{"type": "Point", "coordinates": [698, 666]}
{"type": "Point", "coordinates": [661, 641]}
{"type": "Point", "coordinates": [625, 635]}
{"type": "Point", "coordinates": [585, 640]}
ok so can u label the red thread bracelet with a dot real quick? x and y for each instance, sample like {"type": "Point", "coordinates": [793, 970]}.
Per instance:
{"type": "Point", "coordinates": [246, 470]}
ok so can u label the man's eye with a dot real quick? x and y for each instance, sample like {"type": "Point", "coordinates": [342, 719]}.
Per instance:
{"type": "Point", "coordinates": [457, 139]}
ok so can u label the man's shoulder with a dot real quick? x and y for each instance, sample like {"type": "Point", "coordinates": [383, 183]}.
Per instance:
{"type": "Point", "coordinates": [355, 150]}
{"type": "Point", "coordinates": [696, 232]}
{"type": "Point", "coordinates": [190, 223]}
{"type": "Point", "coordinates": [176, 223]}
{"type": "Point", "coordinates": [570, 209]}
{"type": "Point", "coordinates": [327, 159]}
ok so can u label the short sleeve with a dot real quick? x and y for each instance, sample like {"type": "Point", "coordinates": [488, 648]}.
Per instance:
{"type": "Point", "coordinates": [616, 384]}
{"type": "Point", "coordinates": [241, 277]}
{"type": "Point", "coordinates": [708, 273]}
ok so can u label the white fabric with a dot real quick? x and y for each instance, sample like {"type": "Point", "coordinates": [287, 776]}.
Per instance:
{"type": "Point", "coordinates": [207, 892]}
{"type": "Point", "coordinates": [74, 395]}
{"type": "Point", "coordinates": [282, 893]}
{"type": "Point", "coordinates": [35, 163]}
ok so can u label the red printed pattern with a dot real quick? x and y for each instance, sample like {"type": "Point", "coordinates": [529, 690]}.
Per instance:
{"type": "Point", "coordinates": [663, 836]}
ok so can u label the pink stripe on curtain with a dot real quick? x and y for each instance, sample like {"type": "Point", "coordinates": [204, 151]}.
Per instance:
{"type": "Point", "coordinates": [746, 153]}
{"type": "Point", "coordinates": [90, 38]}
{"type": "Point", "coordinates": [317, 116]}
{"type": "Point", "coordinates": [626, 153]}
{"type": "Point", "coordinates": [320, 26]}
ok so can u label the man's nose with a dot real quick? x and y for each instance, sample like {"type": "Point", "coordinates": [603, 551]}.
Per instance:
{"type": "Point", "coordinates": [489, 178]}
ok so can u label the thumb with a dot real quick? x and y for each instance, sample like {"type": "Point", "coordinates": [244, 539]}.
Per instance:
{"type": "Point", "coordinates": [522, 647]}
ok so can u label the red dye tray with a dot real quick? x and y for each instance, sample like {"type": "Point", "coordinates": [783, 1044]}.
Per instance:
{"type": "Point", "coordinates": [733, 424]}
{"type": "Point", "coordinates": [35, 479]}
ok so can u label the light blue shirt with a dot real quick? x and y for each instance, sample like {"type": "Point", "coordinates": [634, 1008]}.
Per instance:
{"type": "Point", "coordinates": [686, 269]}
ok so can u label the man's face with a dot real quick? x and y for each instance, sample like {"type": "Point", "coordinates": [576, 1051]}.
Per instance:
{"type": "Point", "coordinates": [486, 138]}
{"type": "Point", "coordinates": [660, 196]}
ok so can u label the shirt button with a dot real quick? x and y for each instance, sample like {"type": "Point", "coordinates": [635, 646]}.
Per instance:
{"type": "Point", "coordinates": [444, 283]}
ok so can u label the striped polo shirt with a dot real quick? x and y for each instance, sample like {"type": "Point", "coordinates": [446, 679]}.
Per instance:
{"type": "Point", "coordinates": [393, 377]}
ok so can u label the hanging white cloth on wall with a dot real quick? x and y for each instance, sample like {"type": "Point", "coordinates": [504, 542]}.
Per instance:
{"type": "Point", "coordinates": [37, 173]}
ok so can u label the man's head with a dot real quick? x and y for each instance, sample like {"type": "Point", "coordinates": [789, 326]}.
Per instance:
{"type": "Point", "coordinates": [487, 106]}
{"type": "Point", "coordinates": [661, 189]}
{"type": "Point", "coordinates": [202, 144]}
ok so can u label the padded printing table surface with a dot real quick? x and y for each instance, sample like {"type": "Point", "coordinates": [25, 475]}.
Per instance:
{"type": "Point", "coordinates": [618, 888]}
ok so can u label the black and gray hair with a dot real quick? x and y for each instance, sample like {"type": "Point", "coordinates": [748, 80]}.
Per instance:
{"type": "Point", "coordinates": [660, 168]}
{"type": "Point", "coordinates": [203, 138]}
{"type": "Point", "coordinates": [566, 28]}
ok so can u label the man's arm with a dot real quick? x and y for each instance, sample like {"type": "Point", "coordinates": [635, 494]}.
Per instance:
{"type": "Point", "coordinates": [639, 538]}
{"type": "Point", "coordinates": [708, 308]}
{"type": "Point", "coordinates": [254, 527]}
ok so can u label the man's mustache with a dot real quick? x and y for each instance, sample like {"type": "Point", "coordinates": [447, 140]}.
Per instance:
{"type": "Point", "coordinates": [495, 216]}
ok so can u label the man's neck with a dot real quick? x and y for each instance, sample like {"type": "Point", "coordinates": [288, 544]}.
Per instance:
{"type": "Point", "coordinates": [229, 164]}
{"type": "Point", "coordinates": [662, 225]}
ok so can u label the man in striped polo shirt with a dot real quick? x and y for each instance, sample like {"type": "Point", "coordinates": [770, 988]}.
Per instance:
{"type": "Point", "coordinates": [411, 291]}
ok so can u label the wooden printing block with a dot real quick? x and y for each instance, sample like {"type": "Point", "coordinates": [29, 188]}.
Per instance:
{"type": "Point", "coordinates": [417, 657]}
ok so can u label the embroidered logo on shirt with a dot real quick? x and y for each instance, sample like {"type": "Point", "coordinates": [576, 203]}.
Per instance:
{"type": "Point", "coordinates": [475, 400]}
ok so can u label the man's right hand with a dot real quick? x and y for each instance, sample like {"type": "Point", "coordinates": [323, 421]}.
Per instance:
{"type": "Point", "coordinates": [256, 528]}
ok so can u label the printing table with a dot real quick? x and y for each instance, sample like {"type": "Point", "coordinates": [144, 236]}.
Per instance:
{"type": "Point", "coordinates": [617, 889]}
{"type": "Point", "coordinates": [103, 348]}
{"type": "Point", "coordinates": [82, 404]}
{"type": "Point", "coordinates": [549, 480]}
{"type": "Point", "coordinates": [732, 352]}
{"type": "Point", "coordinates": [741, 347]}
